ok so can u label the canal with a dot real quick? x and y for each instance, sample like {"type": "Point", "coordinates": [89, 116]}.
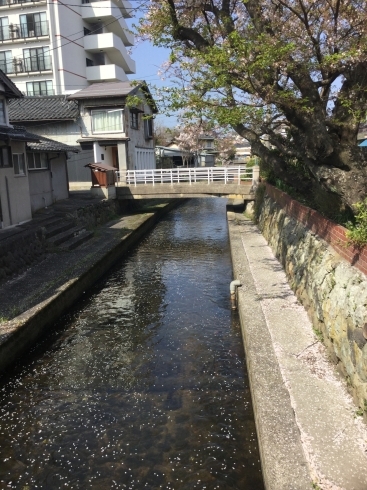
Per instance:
{"type": "Point", "coordinates": [143, 384]}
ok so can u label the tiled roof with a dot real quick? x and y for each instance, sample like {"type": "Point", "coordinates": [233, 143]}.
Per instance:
{"type": "Point", "coordinates": [11, 90]}
{"type": "Point", "coordinates": [17, 133]}
{"type": "Point", "coordinates": [43, 108]}
{"type": "Point", "coordinates": [114, 89]}
{"type": "Point", "coordinates": [46, 144]}
{"type": "Point", "coordinates": [108, 89]}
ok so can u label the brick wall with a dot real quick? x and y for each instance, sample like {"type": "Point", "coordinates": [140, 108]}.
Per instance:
{"type": "Point", "coordinates": [332, 233]}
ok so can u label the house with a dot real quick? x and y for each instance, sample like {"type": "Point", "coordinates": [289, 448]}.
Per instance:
{"type": "Point", "coordinates": [33, 172]}
{"type": "Point", "coordinates": [59, 119]}
{"type": "Point", "coordinates": [15, 202]}
{"type": "Point", "coordinates": [99, 120]}
{"type": "Point", "coordinates": [120, 135]}
{"type": "Point", "coordinates": [47, 171]}
{"type": "Point", "coordinates": [53, 48]}
{"type": "Point", "coordinates": [173, 155]}
{"type": "Point", "coordinates": [243, 152]}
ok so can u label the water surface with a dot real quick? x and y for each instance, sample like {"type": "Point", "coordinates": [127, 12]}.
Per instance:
{"type": "Point", "coordinates": [143, 384]}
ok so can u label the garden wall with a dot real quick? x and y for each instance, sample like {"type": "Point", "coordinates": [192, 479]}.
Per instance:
{"type": "Point", "coordinates": [328, 278]}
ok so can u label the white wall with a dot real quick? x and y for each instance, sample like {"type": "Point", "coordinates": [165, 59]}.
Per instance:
{"type": "Point", "coordinates": [48, 186]}
{"type": "Point", "coordinates": [40, 189]}
{"type": "Point", "coordinates": [14, 190]}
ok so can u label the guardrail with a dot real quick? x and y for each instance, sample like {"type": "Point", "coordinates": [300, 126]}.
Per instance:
{"type": "Point", "coordinates": [225, 175]}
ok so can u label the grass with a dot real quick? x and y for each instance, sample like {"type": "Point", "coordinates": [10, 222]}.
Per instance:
{"type": "Point", "coordinates": [318, 334]}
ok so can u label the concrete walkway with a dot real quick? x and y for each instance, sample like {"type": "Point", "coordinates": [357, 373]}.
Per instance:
{"type": "Point", "coordinates": [310, 435]}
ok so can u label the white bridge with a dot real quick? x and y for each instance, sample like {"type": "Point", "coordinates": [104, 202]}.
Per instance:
{"type": "Point", "coordinates": [234, 182]}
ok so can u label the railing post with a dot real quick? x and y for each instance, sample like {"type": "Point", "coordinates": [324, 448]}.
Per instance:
{"type": "Point", "coordinates": [255, 175]}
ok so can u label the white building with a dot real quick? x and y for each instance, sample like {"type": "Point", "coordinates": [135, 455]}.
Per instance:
{"type": "Point", "coordinates": [51, 48]}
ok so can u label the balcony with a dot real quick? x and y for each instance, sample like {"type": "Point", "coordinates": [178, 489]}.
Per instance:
{"type": "Point", "coordinates": [107, 12]}
{"type": "Point", "coordinates": [124, 6]}
{"type": "Point", "coordinates": [17, 66]}
{"type": "Point", "coordinates": [114, 48]}
{"type": "Point", "coordinates": [15, 3]}
{"type": "Point", "coordinates": [14, 32]}
{"type": "Point", "coordinates": [105, 73]}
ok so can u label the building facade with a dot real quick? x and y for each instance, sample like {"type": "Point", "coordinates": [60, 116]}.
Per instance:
{"type": "Point", "coordinates": [51, 48]}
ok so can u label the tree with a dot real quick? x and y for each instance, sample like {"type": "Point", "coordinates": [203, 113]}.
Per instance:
{"type": "Point", "coordinates": [163, 136]}
{"type": "Point", "coordinates": [189, 140]}
{"type": "Point", "coordinates": [260, 66]}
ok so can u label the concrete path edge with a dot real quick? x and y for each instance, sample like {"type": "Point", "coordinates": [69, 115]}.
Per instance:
{"type": "Point", "coordinates": [283, 461]}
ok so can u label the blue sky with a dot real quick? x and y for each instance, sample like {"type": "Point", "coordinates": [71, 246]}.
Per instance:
{"type": "Point", "coordinates": [148, 59]}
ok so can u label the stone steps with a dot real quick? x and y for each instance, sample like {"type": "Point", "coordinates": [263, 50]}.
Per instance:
{"type": "Point", "coordinates": [63, 233]}
{"type": "Point", "coordinates": [77, 240]}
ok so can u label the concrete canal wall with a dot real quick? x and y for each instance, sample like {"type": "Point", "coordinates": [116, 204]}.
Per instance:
{"type": "Point", "coordinates": [328, 278]}
{"type": "Point", "coordinates": [308, 428]}
{"type": "Point", "coordinates": [70, 280]}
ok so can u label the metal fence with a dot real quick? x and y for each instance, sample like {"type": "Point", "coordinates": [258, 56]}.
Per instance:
{"type": "Point", "coordinates": [224, 175]}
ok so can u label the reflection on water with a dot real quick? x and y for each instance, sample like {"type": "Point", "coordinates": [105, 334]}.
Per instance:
{"type": "Point", "coordinates": [143, 384]}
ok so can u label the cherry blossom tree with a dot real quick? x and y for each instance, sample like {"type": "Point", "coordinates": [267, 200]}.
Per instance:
{"type": "Point", "coordinates": [190, 140]}
{"type": "Point", "coordinates": [260, 66]}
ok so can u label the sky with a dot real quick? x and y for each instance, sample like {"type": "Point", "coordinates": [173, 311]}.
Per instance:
{"type": "Point", "coordinates": [148, 59]}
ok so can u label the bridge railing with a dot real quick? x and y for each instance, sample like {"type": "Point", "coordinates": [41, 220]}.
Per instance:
{"type": "Point", "coordinates": [226, 175]}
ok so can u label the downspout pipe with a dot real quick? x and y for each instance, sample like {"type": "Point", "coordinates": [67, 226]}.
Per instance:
{"type": "Point", "coordinates": [233, 289]}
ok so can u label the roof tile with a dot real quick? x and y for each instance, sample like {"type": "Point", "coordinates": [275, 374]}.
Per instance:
{"type": "Point", "coordinates": [43, 108]}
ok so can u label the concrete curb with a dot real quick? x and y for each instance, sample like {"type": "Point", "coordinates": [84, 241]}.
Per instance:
{"type": "Point", "coordinates": [284, 465]}
{"type": "Point", "coordinates": [20, 334]}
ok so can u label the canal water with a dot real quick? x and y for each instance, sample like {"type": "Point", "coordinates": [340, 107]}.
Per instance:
{"type": "Point", "coordinates": [143, 384]}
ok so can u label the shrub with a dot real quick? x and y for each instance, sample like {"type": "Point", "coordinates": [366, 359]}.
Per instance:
{"type": "Point", "coordinates": [357, 231]}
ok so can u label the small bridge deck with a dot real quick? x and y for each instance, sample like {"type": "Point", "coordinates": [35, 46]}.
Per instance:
{"type": "Point", "coordinates": [232, 182]}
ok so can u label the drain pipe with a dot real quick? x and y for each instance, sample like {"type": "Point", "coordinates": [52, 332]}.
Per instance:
{"type": "Point", "coordinates": [234, 284]}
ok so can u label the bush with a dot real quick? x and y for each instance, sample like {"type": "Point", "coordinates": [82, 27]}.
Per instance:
{"type": "Point", "coordinates": [357, 231]}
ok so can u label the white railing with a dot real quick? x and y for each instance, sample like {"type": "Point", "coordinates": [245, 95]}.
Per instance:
{"type": "Point", "coordinates": [225, 175]}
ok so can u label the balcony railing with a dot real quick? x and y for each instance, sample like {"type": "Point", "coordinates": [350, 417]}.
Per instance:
{"type": "Point", "coordinates": [4, 3]}
{"type": "Point", "coordinates": [26, 65]}
{"type": "Point", "coordinates": [23, 31]}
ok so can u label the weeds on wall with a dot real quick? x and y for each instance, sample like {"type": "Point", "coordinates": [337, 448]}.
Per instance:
{"type": "Point", "coordinates": [259, 198]}
{"type": "Point", "coordinates": [357, 231]}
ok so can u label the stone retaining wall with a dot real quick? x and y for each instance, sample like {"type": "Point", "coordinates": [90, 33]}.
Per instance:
{"type": "Point", "coordinates": [28, 247]}
{"type": "Point", "coordinates": [96, 213]}
{"type": "Point", "coordinates": [19, 252]}
{"type": "Point", "coordinates": [319, 267]}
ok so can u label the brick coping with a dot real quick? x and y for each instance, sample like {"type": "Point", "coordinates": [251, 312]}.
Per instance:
{"type": "Point", "coordinates": [329, 231]}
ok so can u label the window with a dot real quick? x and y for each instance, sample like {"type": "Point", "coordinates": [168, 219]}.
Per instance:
{"type": "Point", "coordinates": [2, 113]}
{"type": "Point", "coordinates": [33, 25]}
{"type": "Point", "coordinates": [134, 120]}
{"type": "Point", "coordinates": [37, 161]}
{"type": "Point", "coordinates": [107, 121]}
{"type": "Point", "coordinates": [40, 88]}
{"type": "Point", "coordinates": [19, 163]}
{"type": "Point", "coordinates": [148, 128]}
{"type": "Point", "coordinates": [5, 156]}
{"type": "Point", "coordinates": [208, 144]}
{"type": "Point", "coordinates": [6, 62]}
{"type": "Point", "coordinates": [87, 31]}
{"type": "Point", "coordinates": [89, 62]}
{"type": "Point", "coordinates": [37, 59]}
{"type": "Point", "coordinates": [4, 28]}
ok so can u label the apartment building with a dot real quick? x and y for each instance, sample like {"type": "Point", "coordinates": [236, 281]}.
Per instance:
{"type": "Point", "coordinates": [49, 47]}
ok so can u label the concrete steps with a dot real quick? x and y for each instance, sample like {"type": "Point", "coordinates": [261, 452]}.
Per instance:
{"type": "Point", "coordinates": [63, 233]}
